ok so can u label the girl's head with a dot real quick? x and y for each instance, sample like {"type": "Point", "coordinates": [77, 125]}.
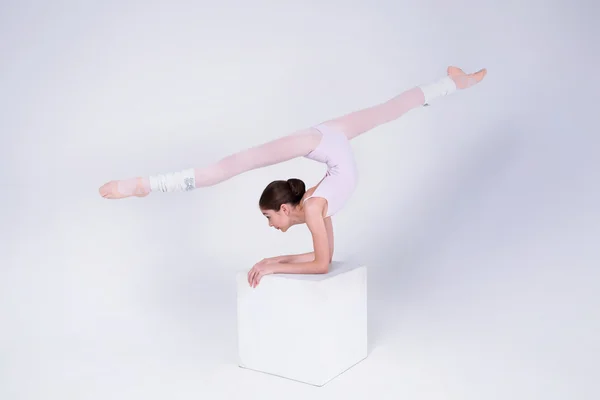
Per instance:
{"type": "Point", "coordinates": [278, 201]}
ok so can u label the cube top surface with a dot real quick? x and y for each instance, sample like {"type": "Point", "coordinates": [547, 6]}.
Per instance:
{"type": "Point", "coordinates": [335, 268]}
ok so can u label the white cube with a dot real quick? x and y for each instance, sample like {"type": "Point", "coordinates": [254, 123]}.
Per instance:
{"type": "Point", "coordinates": [309, 328]}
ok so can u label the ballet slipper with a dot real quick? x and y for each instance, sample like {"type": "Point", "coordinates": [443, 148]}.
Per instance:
{"type": "Point", "coordinates": [123, 189]}
{"type": "Point", "coordinates": [464, 80]}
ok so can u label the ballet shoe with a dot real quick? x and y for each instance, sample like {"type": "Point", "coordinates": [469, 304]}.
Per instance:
{"type": "Point", "coordinates": [464, 80]}
{"type": "Point", "coordinates": [123, 189]}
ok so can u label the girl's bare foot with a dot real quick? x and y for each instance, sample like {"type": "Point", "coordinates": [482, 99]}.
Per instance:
{"type": "Point", "coordinates": [464, 80]}
{"type": "Point", "coordinates": [124, 188]}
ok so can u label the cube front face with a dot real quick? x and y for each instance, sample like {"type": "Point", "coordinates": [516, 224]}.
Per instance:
{"type": "Point", "coordinates": [306, 330]}
{"type": "Point", "coordinates": [344, 326]}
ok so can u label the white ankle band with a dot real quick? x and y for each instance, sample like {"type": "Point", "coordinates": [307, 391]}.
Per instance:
{"type": "Point", "coordinates": [174, 182]}
{"type": "Point", "coordinates": [441, 87]}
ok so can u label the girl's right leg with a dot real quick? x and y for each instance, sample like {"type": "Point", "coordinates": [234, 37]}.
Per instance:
{"type": "Point", "coordinates": [285, 148]}
{"type": "Point", "coordinates": [358, 122]}
{"type": "Point", "coordinates": [361, 121]}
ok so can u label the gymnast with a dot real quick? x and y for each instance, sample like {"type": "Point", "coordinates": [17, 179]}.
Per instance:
{"type": "Point", "coordinates": [286, 203]}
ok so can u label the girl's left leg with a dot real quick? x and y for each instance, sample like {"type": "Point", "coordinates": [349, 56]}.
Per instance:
{"type": "Point", "coordinates": [285, 148]}
{"type": "Point", "coordinates": [358, 122]}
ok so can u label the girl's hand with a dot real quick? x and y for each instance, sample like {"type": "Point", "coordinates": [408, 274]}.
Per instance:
{"type": "Point", "coordinates": [260, 269]}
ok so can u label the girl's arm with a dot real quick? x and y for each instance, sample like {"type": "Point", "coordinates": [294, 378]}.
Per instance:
{"type": "Point", "coordinates": [306, 257]}
{"type": "Point", "coordinates": [319, 263]}
{"type": "Point", "coordinates": [296, 258]}
{"type": "Point", "coordinates": [316, 262]}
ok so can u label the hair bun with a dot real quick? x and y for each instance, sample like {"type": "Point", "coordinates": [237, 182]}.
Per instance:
{"type": "Point", "coordinates": [297, 187]}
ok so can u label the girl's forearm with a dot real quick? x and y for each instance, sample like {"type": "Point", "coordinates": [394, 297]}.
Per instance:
{"type": "Point", "coordinates": [306, 267]}
{"type": "Point", "coordinates": [297, 258]}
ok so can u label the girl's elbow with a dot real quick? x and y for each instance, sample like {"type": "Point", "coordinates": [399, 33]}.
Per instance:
{"type": "Point", "coordinates": [323, 268]}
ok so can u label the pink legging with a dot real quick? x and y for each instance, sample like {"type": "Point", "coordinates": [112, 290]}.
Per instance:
{"type": "Point", "coordinates": [297, 144]}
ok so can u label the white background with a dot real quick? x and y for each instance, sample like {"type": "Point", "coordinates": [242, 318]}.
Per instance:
{"type": "Point", "coordinates": [478, 216]}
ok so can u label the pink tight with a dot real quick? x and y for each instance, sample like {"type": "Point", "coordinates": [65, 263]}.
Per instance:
{"type": "Point", "coordinates": [297, 144]}
{"type": "Point", "coordinates": [303, 142]}
{"type": "Point", "coordinates": [361, 121]}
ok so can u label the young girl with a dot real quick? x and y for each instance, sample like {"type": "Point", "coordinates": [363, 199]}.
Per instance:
{"type": "Point", "coordinates": [288, 203]}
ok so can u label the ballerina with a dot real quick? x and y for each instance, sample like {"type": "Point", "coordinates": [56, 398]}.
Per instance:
{"type": "Point", "coordinates": [286, 203]}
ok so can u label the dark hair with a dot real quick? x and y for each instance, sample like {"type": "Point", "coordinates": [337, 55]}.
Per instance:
{"type": "Point", "coordinates": [282, 192]}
